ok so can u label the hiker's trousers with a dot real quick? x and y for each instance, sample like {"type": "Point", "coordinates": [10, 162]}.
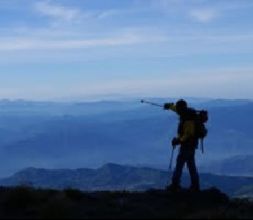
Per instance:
{"type": "Point", "coordinates": [186, 156]}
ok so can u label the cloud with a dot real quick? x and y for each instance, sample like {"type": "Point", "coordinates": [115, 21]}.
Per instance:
{"type": "Point", "coordinates": [103, 14]}
{"type": "Point", "coordinates": [200, 10]}
{"type": "Point", "coordinates": [186, 9]}
{"type": "Point", "coordinates": [15, 44]}
{"type": "Point", "coordinates": [165, 4]}
{"type": "Point", "coordinates": [58, 12]}
{"type": "Point", "coordinates": [204, 15]}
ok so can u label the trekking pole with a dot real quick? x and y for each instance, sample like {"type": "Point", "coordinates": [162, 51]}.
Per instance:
{"type": "Point", "coordinates": [151, 103]}
{"type": "Point", "coordinates": [170, 166]}
{"type": "Point", "coordinates": [171, 158]}
{"type": "Point", "coordinates": [202, 146]}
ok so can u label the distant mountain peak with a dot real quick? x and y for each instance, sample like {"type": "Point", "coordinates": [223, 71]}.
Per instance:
{"type": "Point", "coordinates": [112, 166]}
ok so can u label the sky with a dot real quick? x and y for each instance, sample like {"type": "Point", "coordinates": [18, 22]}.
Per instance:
{"type": "Point", "coordinates": [81, 49]}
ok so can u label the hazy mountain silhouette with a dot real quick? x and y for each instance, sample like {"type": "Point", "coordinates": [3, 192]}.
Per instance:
{"type": "Point", "coordinates": [58, 135]}
{"type": "Point", "coordinates": [118, 177]}
{"type": "Point", "coordinates": [238, 165]}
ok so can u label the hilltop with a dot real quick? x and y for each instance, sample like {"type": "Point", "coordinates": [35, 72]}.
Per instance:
{"type": "Point", "coordinates": [30, 203]}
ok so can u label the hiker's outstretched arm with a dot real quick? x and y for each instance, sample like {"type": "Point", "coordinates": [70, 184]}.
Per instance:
{"type": "Point", "coordinates": [170, 106]}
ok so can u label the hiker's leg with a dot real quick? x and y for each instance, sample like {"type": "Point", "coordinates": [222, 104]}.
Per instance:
{"type": "Point", "coordinates": [193, 171]}
{"type": "Point", "coordinates": [176, 178]}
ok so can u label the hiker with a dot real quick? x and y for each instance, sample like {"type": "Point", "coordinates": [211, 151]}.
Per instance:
{"type": "Point", "coordinates": [188, 143]}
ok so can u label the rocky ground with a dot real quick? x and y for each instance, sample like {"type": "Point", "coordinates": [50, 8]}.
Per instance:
{"type": "Point", "coordinates": [30, 203]}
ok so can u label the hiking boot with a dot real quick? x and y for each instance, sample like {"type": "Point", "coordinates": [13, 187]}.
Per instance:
{"type": "Point", "coordinates": [173, 188]}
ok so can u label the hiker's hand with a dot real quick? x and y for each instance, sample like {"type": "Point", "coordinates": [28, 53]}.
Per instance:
{"type": "Point", "coordinates": [168, 105]}
{"type": "Point", "coordinates": [175, 141]}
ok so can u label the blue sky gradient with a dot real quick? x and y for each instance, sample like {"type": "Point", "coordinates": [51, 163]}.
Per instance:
{"type": "Point", "coordinates": [61, 49]}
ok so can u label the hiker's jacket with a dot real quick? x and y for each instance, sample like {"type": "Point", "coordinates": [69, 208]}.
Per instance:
{"type": "Point", "coordinates": [186, 128]}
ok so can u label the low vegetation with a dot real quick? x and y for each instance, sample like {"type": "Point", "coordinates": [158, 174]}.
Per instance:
{"type": "Point", "coordinates": [30, 203]}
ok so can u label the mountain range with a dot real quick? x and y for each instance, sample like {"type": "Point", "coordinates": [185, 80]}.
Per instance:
{"type": "Point", "coordinates": [89, 134]}
{"type": "Point", "coordinates": [240, 165]}
{"type": "Point", "coordinates": [115, 177]}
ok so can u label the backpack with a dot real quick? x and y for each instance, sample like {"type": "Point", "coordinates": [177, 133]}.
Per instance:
{"type": "Point", "coordinates": [201, 130]}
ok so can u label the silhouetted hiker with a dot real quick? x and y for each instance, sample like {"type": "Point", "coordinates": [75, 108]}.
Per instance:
{"type": "Point", "coordinates": [188, 143]}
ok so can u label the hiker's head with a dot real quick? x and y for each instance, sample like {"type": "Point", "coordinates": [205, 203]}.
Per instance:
{"type": "Point", "coordinates": [181, 106]}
